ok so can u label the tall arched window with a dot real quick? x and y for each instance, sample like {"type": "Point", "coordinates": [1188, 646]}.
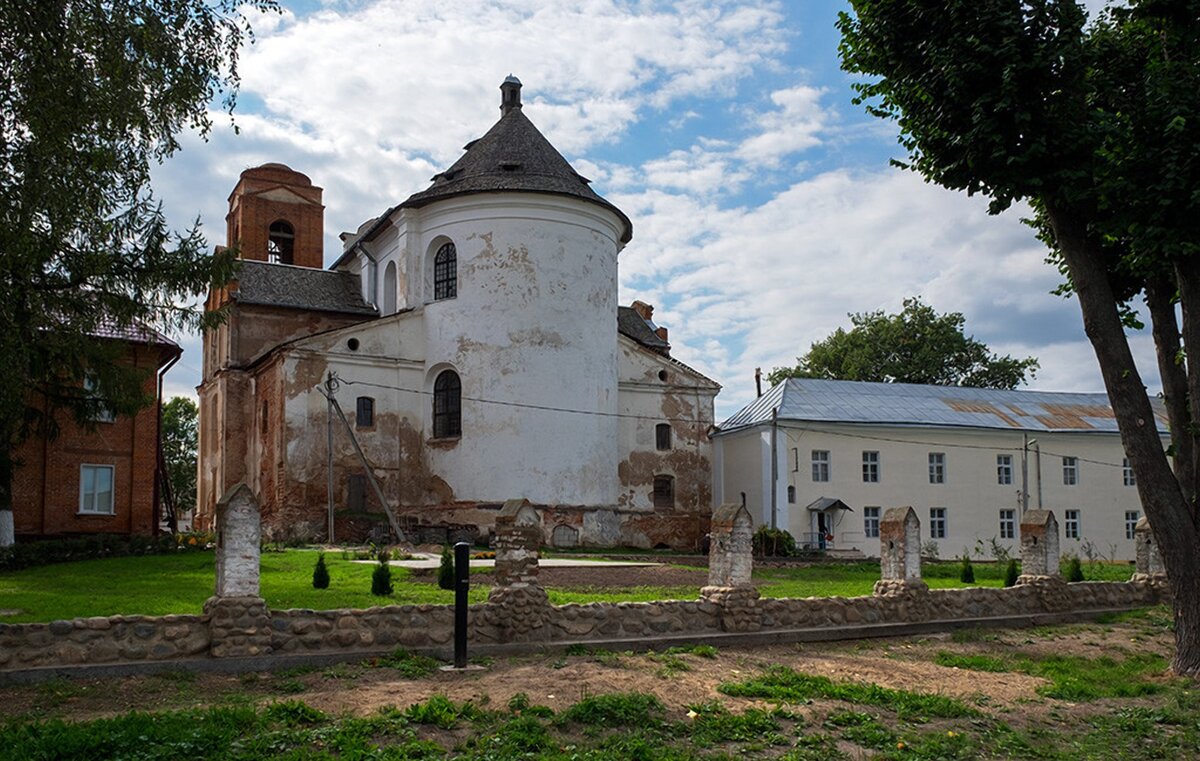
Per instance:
{"type": "Point", "coordinates": [389, 289]}
{"type": "Point", "coordinates": [280, 243]}
{"type": "Point", "coordinates": [447, 405]}
{"type": "Point", "coordinates": [445, 272]}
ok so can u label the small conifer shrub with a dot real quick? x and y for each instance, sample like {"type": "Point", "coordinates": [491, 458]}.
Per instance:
{"type": "Point", "coordinates": [320, 573]}
{"type": "Point", "coordinates": [966, 574]}
{"type": "Point", "coordinates": [1074, 571]}
{"type": "Point", "coordinates": [446, 570]}
{"type": "Point", "coordinates": [1010, 573]}
{"type": "Point", "coordinates": [381, 580]}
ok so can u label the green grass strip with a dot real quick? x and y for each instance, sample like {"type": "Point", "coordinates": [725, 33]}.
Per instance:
{"type": "Point", "coordinates": [1073, 677]}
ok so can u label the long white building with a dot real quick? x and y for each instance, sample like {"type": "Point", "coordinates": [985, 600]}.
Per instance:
{"type": "Point", "coordinates": [824, 459]}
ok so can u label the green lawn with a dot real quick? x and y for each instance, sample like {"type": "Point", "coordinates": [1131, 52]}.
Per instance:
{"type": "Point", "coordinates": [162, 584]}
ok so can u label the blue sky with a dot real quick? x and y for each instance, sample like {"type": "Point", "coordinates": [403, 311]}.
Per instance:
{"type": "Point", "coordinates": [763, 206]}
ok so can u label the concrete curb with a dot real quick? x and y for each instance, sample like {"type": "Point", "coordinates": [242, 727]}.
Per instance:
{"type": "Point", "coordinates": [717, 639]}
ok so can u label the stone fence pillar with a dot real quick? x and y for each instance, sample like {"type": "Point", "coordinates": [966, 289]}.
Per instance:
{"type": "Point", "coordinates": [1150, 568]}
{"type": "Point", "coordinates": [1039, 548]}
{"type": "Point", "coordinates": [730, 563]}
{"type": "Point", "coordinates": [517, 605]}
{"type": "Point", "coordinates": [238, 622]}
{"type": "Point", "coordinates": [900, 553]}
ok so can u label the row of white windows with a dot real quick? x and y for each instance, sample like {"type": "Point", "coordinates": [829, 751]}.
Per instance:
{"type": "Point", "coordinates": [1072, 523]}
{"type": "Point", "coordinates": [937, 468]}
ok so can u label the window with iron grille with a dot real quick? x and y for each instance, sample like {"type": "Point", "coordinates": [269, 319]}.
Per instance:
{"type": "Point", "coordinates": [871, 522]}
{"type": "Point", "coordinates": [281, 240]}
{"type": "Point", "coordinates": [820, 465]}
{"type": "Point", "coordinates": [445, 272]}
{"type": "Point", "coordinates": [447, 405]}
{"type": "Point", "coordinates": [937, 523]}
{"type": "Point", "coordinates": [1008, 524]}
{"type": "Point", "coordinates": [1131, 522]}
{"type": "Point", "coordinates": [364, 412]}
{"type": "Point", "coordinates": [1004, 469]}
{"type": "Point", "coordinates": [1127, 473]}
{"type": "Point", "coordinates": [662, 436]}
{"type": "Point", "coordinates": [664, 491]}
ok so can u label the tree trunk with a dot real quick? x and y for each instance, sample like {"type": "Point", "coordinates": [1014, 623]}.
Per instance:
{"type": "Point", "coordinates": [7, 529]}
{"type": "Point", "coordinates": [1168, 511]}
{"type": "Point", "coordinates": [1188, 276]}
{"type": "Point", "coordinates": [1160, 292]}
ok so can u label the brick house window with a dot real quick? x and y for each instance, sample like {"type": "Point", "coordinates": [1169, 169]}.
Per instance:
{"type": "Point", "coordinates": [1008, 524]}
{"type": "Point", "coordinates": [447, 405]}
{"type": "Point", "coordinates": [871, 522]}
{"type": "Point", "coordinates": [102, 413]}
{"type": "Point", "coordinates": [937, 467]}
{"type": "Point", "coordinates": [662, 436]}
{"type": "Point", "coordinates": [820, 465]}
{"type": "Point", "coordinates": [281, 241]}
{"type": "Point", "coordinates": [870, 467]}
{"type": "Point", "coordinates": [1070, 471]}
{"type": "Point", "coordinates": [664, 491]}
{"type": "Point", "coordinates": [1004, 469]}
{"type": "Point", "coordinates": [1131, 522]}
{"type": "Point", "coordinates": [1071, 524]}
{"type": "Point", "coordinates": [937, 523]}
{"type": "Point", "coordinates": [96, 490]}
{"type": "Point", "coordinates": [364, 412]}
{"type": "Point", "coordinates": [445, 272]}
{"type": "Point", "coordinates": [1127, 473]}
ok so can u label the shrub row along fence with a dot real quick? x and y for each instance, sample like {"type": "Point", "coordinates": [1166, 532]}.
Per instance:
{"type": "Point", "coordinates": [237, 623]}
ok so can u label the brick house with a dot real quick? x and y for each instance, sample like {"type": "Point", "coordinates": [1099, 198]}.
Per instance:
{"type": "Point", "coordinates": [480, 355]}
{"type": "Point", "coordinates": [100, 481]}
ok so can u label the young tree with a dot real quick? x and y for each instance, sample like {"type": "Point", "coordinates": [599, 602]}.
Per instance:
{"type": "Point", "coordinates": [1096, 127]}
{"type": "Point", "coordinates": [918, 345]}
{"type": "Point", "coordinates": [180, 438]}
{"type": "Point", "coordinates": [92, 94]}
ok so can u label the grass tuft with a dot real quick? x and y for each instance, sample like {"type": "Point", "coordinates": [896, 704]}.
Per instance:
{"type": "Point", "coordinates": [621, 709]}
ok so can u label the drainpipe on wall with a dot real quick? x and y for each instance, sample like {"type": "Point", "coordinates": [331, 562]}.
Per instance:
{"type": "Point", "coordinates": [159, 459]}
{"type": "Point", "coordinates": [774, 468]}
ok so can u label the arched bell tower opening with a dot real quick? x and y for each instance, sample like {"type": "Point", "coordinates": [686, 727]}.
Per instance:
{"type": "Point", "coordinates": [275, 215]}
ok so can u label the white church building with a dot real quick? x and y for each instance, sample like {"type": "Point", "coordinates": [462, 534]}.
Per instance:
{"type": "Point", "coordinates": [478, 352]}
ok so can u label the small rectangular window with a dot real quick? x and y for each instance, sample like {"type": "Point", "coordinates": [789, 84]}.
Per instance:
{"type": "Point", "coordinates": [795, 460]}
{"type": "Point", "coordinates": [662, 436]}
{"type": "Point", "coordinates": [871, 522]}
{"type": "Point", "coordinates": [1071, 524]}
{"type": "Point", "coordinates": [1070, 471]}
{"type": "Point", "coordinates": [102, 414]}
{"type": "Point", "coordinates": [1008, 524]}
{"type": "Point", "coordinates": [937, 523]}
{"type": "Point", "coordinates": [364, 412]}
{"type": "Point", "coordinates": [1127, 473]}
{"type": "Point", "coordinates": [664, 491]}
{"type": "Point", "coordinates": [870, 468]}
{"type": "Point", "coordinates": [937, 467]}
{"type": "Point", "coordinates": [1131, 521]}
{"type": "Point", "coordinates": [96, 490]}
{"type": "Point", "coordinates": [791, 495]}
{"type": "Point", "coordinates": [1004, 469]}
{"type": "Point", "coordinates": [820, 465]}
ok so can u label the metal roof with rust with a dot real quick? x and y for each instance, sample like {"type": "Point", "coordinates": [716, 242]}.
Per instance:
{"type": "Point", "coordinates": [906, 404]}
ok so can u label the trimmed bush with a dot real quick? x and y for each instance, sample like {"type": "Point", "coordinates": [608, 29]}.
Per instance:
{"type": "Point", "coordinates": [320, 573]}
{"type": "Point", "coordinates": [1010, 573]}
{"type": "Point", "coordinates": [773, 542]}
{"type": "Point", "coordinates": [446, 569]}
{"type": "Point", "coordinates": [381, 580]}
{"type": "Point", "coordinates": [1073, 571]}
{"type": "Point", "coordinates": [967, 573]}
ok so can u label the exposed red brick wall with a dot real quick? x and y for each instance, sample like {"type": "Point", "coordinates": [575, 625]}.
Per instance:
{"type": "Point", "coordinates": [270, 193]}
{"type": "Point", "coordinates": [46, 484]}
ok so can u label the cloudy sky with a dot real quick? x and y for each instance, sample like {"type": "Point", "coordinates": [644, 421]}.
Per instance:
{"type": "Point", "coordinates": [763, 206]}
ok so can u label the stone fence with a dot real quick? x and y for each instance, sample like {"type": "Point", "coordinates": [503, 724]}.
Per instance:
{"type": "Point", "coordinates": [518, 616]}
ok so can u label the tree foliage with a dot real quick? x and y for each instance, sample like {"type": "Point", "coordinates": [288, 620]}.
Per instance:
{"type": "Point", "coordinates": [1096, 126]}
{"type": "Point", "coordinates": [180, 439]}
{"type": "Point", "coordinates": [93, 93]}
{"type": "Point", "coordinates": [918, 345]}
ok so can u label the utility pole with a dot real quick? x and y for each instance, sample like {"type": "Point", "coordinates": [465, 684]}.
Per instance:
{"type": "Point", "coordinates": [1024, 472]}
{"type": "Point", "coordinates": [331, 385]}
{"type": "Point", "coordinates": [1037, 450]}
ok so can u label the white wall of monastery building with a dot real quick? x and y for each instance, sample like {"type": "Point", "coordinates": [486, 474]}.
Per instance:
{"type": "Point", "coordinates": [965, 483]}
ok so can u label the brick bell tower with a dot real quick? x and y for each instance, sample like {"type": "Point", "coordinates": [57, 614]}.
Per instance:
{"type": "Point", "coordinates": [275, 215]}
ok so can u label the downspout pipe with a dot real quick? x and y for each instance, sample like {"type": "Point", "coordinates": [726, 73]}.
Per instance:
{"type": "Point", "coordinates": [159, 461]}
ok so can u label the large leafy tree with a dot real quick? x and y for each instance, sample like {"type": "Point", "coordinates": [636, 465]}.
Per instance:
{"type": "Point", "coordinates": [917, 345]}
{"type": "Point", "coordinates": [180, 440]}
{"type": "Point", "coordinates": [1097, 126]}
{"type": "Point", "coordinates": [92, 94]}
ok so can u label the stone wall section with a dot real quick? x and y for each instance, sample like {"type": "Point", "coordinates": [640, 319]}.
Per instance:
{"type": "Point", "coordinates": [103, 640]}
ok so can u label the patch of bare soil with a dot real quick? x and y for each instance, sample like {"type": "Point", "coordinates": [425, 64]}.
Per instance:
{"type": "Point", "coordinates": [559, 681]}
{"type": "Point", "coordinates": [597, 577]}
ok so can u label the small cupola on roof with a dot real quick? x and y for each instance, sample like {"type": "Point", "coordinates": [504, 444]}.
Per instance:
{"type": "Point", "coordinates": [513, 157]}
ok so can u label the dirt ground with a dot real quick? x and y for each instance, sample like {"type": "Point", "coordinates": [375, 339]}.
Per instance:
{"type": "Point", "coordinates": [559, 680]}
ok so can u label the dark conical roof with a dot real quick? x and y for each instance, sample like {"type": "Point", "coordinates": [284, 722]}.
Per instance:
{"type": "Point", "coordinates": [513, 157]}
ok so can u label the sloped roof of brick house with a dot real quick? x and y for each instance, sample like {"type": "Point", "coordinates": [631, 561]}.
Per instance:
{"type": "Point", "coordinates": [907, 404]}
